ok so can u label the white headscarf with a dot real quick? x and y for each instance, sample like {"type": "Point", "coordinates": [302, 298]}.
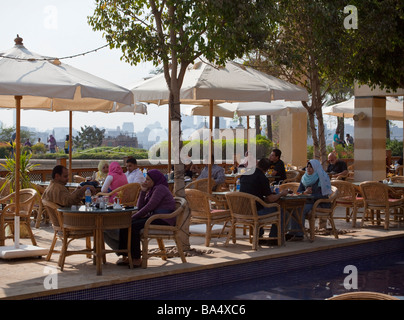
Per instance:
{"type": "Point", "coordinates": [325, 182]}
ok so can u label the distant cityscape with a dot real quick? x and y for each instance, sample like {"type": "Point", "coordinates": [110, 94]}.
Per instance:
{"type": "Point", "coordinates": [126, 135]}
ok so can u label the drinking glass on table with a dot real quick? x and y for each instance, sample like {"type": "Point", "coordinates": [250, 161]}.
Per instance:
{"type": "Point", "coordinates": [231, 187]}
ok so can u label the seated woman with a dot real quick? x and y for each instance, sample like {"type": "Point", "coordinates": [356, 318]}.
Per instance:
{"type": "Point", "coordinates": [314, 182]}
{"type": "Point", "coordinates": [154, 198]}
{"type": "Point", "coordinates": [115, 179]}
{"type": "Point", "coordinates": [102, 173]}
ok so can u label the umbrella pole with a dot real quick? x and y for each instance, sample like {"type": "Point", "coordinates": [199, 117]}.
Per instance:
{"type": "Point", "coordinates": [17, 172]}
{"type": "Point", "coordinates": [18, 251]}
{"type": "Point", "coordinates": [70, 145]}
{"type": "Point", "coordinates": [248, 138]}
{"type": "Point", "coordinates": [210, 146]}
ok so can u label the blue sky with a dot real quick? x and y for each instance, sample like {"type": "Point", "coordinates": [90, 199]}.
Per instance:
{"type": "Point", "coordinates": [59, 28]}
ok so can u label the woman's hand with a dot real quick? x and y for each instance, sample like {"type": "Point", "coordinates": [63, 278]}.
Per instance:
{"type": "Point", "coordinates": [144, 187]}
{"type": "Point", "coordinates": [308, 191]}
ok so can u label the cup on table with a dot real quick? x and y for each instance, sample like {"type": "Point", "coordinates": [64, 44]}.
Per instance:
{"type": "Point", "coordinates": [231, 187]}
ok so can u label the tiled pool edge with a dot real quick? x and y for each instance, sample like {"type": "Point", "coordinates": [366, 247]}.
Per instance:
{"type": "Point", "coordinates": [149, 288]}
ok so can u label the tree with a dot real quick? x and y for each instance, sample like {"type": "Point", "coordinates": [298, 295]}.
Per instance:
{"type": "Point", "coordinates": [175, 33]}
{"type": "Point", "coordinates": [306, 50]}
{"type": "Point", "coordinates": [89, 137]}
{"type": "Point", "coordinates": [375, 50]}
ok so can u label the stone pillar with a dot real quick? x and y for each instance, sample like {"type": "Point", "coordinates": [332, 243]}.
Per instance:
{"type": "Point", "coordinates": [293, 138]}
{"type": "Point", "coordinates": [370, 138]}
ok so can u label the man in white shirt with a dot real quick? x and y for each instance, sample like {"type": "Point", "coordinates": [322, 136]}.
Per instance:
{"type": "Point", "coordinates": [133, 173]}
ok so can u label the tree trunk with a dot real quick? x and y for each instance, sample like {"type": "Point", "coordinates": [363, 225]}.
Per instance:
{"type": "Point", "coordinates": [179, 185]}
{"type": "Point", "coordinates": [269, 127]}
{"type": "Point", "coordinates": [257, 125]}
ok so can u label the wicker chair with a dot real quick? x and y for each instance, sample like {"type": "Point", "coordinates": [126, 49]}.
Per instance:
{"type": "Point", "coordinates": [292, 176]}
{"type": "Point", "coordinates": [27, 199]}
{"type": "Point", "coordinates": [349, 197]}
{"type": "Point", "coordinates": [201, 213]}
{"type": "Point", "coordinates": [163, 232]}
{"type": "Point", "coordinates": [380, 198]}
{"type": "Point", "coordinates": [290, 185]}
{"type": "Point", "coordinates": [200, 184]}
{"type": "Point", "coordinates": [78, 179]}
{"type": "Point", "coordinates": [244, 212]}
{"type": "Point", "coordinates": [363, 295]}
{"type": "Point", "coordinates": [56, 219]}
{"type": "Point", "coordinates": [398, 179]}
{"type": "Point", "coordinates": [128, 194]}
{"type": "Point", "coordinates": [324, 213]}
{"type": "Point", "coordinates": [39, 211]}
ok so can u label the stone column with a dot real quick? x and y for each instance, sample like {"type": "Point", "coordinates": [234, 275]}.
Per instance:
{"type": "Point", "coordinates": [370, 138]}
{"type": "Point", "coordinates": [293, 138]}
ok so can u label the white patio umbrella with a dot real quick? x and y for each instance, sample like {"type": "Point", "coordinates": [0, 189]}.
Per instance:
{"type": "Point", "coordinates": [346, 109]}
{"type": "Point", "coordinates": [227, 110]}
{"type": "Point", "coordinates": [32, 81]}
{"type": "Point", "coordinates": [204, 83]}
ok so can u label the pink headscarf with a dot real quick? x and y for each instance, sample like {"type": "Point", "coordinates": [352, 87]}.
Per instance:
{"type": "Point", "coordinates": [119, 178]}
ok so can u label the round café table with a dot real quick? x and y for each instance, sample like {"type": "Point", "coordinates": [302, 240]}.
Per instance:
{"type": "Point", "coordinates": [99, 220]}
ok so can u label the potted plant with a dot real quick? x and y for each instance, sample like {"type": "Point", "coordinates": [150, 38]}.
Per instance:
{"type": "Point", "coordinates": [25, 168]}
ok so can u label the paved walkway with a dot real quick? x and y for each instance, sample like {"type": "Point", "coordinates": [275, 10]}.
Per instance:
{"type": "Point", "coordinates": [27, 278]}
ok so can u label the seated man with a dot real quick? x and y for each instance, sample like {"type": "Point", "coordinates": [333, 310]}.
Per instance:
{"type": "Point", "coordinates": [217, 174]}
{"type": "Point", "coordinates": [277, 165]}
{"type": "Point", "coordinates": [133, 173]}
{"type": "Point", "coordinates": [257, 184]}
{"type": "Point", "coordinates": [58, 193]}
{"type": "Point", "coordinates": [337, 168]}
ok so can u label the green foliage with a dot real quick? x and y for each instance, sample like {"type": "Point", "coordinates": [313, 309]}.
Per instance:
{"type": "Point", "coordinates": [161, 31]}
{"type": "Point", "coordinates": [99, 153]}
{"type": "Point", "coordinates": [13, 175]}
{"type": "Point", "coordinates": [395, 146]}
{"type": "Point", "coordinates": [375, 51]}
{"type": "Point", "coordinates": [88, 137]}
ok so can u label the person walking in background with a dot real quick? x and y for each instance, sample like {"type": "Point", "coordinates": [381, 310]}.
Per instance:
{"type": "Point", "coordinates": [337, 140]}
{"type": "Point", "coordinates": [67, 144]}
{"type": "Point", "coordinates": [52, 144]}
{"type": "Point", "coordinates": [349, 140]}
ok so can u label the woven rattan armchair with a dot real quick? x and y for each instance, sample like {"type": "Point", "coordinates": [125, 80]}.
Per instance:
{"type": "Point", "coordinates": [38, 208]}
{"type": "Point", "coordinates": [324, 213]}
{"type": "Point", "coordinates": [292, 176]}
{"type": "Point", "coordinates": [7, 216]}
{"type": "Point", "coordinates": [78, 179]}
{"type": "Point", "coordinates": [201, 213]}
{"type": "Point", "coordinates": [243, 210]}
{"type": "Point", "coordinates": [379, 198]}
{"type": "Point", "coordinates": [164, 232]}
{"type": "Point", "coordinates": [200, 184]}
{"type": "Point", "coordinates": [56, 219]}
{"type": "Point", "coordinates": [293, 186]}
{"type": "Point", "coordinates": [363, 295]}
{"type": "Point", "coordinates": [127, 194]}
{"type": "Point", "coordinates": [349, 197]}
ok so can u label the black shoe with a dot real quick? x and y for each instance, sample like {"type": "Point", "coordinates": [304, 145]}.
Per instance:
{"type": "Point", "coordinates": [295, 238]}
{"type": "Point", "coordinates": [269, 243]}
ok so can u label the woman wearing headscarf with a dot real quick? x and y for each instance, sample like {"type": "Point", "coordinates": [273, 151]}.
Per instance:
{"type": "Point", "coordinates": [103, 169]}
{"type": "Point", "coordinates": [115, 179]}
{"type": "Point", "coordinates": [155, 198]}
{"type": "Point", "coordinates": [315, 182]}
